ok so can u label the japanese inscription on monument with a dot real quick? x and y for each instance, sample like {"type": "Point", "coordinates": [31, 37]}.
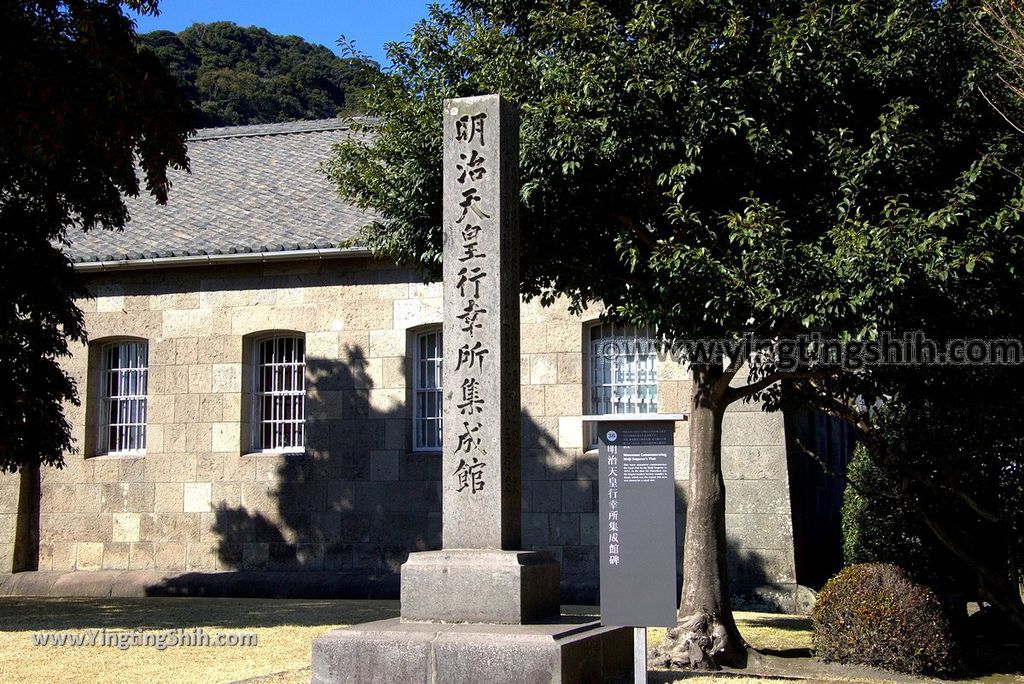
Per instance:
{"type": "Point", "coordinates": [481, 593]}
{"type": "Point", "coordinates": [481, 330]}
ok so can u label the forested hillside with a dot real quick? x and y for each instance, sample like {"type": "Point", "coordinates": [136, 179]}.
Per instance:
{"type": "Point", "coordinates": [242, 75]}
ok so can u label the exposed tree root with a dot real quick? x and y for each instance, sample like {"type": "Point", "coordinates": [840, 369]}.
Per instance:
{"type": "Point", "coordinates": [699, 642]}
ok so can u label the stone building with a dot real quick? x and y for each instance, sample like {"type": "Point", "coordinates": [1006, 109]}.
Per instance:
{"type": "Point", "coordinates": [256, 398]}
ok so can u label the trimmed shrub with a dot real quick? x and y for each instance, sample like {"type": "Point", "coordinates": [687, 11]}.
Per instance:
{"type": "Point", "coordinates": [875, 614]}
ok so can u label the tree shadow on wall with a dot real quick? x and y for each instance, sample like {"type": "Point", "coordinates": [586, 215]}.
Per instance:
{"type": "Point", "coordinates": [756, 580]}
{"type": "Point", "coordinates": [357, 501]}
{"type": "Point", "coordinates": [560, 507]}
{"type": "Point", "coordinates": [340, 519]}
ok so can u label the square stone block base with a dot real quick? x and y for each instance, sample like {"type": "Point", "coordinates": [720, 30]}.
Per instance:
{"type": "Point", "coordinates": [485, 586]}
{"type": "Point", "coordinates": [562, 651]}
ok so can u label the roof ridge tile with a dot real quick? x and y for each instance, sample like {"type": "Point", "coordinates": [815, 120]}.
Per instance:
{"type": "Point", "coordinates": [280, 128]}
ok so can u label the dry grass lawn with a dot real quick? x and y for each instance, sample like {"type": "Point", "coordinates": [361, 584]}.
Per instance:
{"type": "Point", "coordinates": [763, 631]}
{"type": "Point", "coordinates": [285, 630]}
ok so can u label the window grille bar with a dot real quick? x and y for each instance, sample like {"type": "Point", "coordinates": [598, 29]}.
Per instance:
{"type": "Point", "coordinates": [427, 397]}
{"type": "Point", "coordinates": [123, 408]}
{"type": "Point", "coordinates": [279, 400]}
{"type": "Point", "coordinates": [623, 371]}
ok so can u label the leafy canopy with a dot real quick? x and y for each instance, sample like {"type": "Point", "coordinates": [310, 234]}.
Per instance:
{"type": "Point", "coordinates": [720, 166]}
{"type": "Point", "coordinates": [244, 75]}
{"type": "Point", "coordinates": [82, 108]}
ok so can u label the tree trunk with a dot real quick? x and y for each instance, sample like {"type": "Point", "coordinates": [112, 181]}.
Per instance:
{"type": "Point", "coordinates": [26, 531]}
{"type": "Point", "coordinates": [706, 637]}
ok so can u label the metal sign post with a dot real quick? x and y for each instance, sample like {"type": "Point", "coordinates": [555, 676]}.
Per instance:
{"type": "Point", "coordinates": [637, 525]}
{"type": "Point", "coordinates": [639, 655]}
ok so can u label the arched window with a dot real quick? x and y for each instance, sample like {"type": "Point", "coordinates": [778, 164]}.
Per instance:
{"type": "Point", "coordinates": [124, 380]}
{"type": "Point", "coordinates": [279, 393]}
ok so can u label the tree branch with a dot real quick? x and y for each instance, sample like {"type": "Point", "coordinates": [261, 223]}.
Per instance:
{"type": "Point", "coordinates": [737, 393]}
{"type": "Point", "coordinates": [942, 488]}
{"type": "Point", "coordinates": [635, 228]}
{"type": "Point", "coordinates": [841, 476]}
{"type": "Point", "coordinates": [733, 368]}
{"type": "Point", "coordinates": [998, 110]}
{"type": "Point", "coordinates": [844, 412]}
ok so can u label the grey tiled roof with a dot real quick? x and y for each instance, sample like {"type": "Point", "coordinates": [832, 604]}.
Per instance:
{"type": "Point", "coordinates": [252, 189]}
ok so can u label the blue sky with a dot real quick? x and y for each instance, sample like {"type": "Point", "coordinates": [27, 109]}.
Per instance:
{"type": "Point", "coordinates": [370, 23]}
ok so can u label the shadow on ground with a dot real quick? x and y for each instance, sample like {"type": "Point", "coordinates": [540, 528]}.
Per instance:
{"type": "Point", "coordinates": [789, 623]}
{"type": "Point", "coordinates": [773, 635]}
{"type": "Point", "coordinates": [45, 614]}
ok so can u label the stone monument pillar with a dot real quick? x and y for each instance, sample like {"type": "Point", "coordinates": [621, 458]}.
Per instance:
{"type": "Point", "coordinates": [481, 485]}
{"type": "Point", "coordinates": [480, 576]}
{"type": "Point", "coordinates": [480, 609]}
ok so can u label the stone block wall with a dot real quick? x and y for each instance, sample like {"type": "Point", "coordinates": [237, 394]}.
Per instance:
{"type": "Point", "coordinates": [560, 471]}
{"type": "Point", "coordinates": [359, 499]}
{"type": "Point", "coordinates": [8, 519]}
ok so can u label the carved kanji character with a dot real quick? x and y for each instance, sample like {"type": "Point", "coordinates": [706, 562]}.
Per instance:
{"type": "Point", "coordinates": [469, 276]}
{"type": "Point", "coordinates": [471, 355]}
{"type": "Point", "coordinates": [468, 127]}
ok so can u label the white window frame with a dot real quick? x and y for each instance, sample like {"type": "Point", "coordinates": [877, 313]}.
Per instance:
{"type": "Point", "coordinates": [427, 407]}
{"type": "Point", "coordinates": [622, 371]}
{"type": "Point", "coordinates": [287, 394]}
{"type": "Point", "coordinates": [124, 385]}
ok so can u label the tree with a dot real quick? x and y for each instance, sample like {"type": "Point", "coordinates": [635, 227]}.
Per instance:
{"type": "Point", "coordinates": [81, 107]}
{"type": "Point", "coordinates": [245, 75]}
{"type": "Point", "coordinates": [879, 526]}
{"type": "Point", "coordinates": [719, 169]}
{"type": "Point", "coordinates": [945, 468]}
{"type": "Point", "coordinates": [1002, 22]}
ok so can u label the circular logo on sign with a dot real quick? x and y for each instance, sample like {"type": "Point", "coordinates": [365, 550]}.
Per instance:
{"type": "Point", "coordinates": [612, 436]}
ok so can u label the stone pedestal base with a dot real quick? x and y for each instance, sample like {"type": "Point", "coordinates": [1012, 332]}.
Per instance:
{"type": "Point", "coordinates": [565, 651]}
{"type": "Point", "coordinates": [470, 585]}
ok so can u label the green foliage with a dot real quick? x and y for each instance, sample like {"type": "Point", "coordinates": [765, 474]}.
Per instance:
{"type": "Point", "coordinates": [237, 75]}
{"type": "Point", "coordinates": [81, 107]}
{"type": "Point", "coordinates": [874, 614]}
{"type": "Point", "coordinates": [879, 526]}
{"type": "Point", "coordinates": [717, 167]}
{"type": "Point", "coordinates": [944, 469]}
